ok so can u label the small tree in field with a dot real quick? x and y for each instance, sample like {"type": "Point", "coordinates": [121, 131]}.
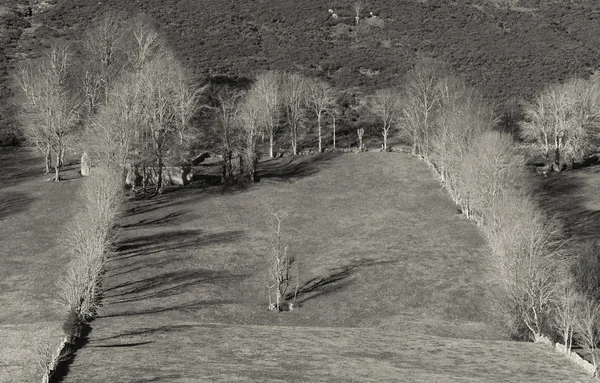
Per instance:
{"type": "Point", "coordinates": [50, 111]}
{"type": "Point", "coordinates": [360, 132]}
{"type": "Point", "coordinates": [385, 104]}
{"type": "Point", "coordinates": [321, 99]}
{"type": "Point", "coordinates": [281, 262]}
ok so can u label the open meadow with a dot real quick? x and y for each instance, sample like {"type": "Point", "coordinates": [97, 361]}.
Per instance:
{"type": "Point", "coordinates": [32, 215]}
{"type": "Point", "coordinates": [393, 283]}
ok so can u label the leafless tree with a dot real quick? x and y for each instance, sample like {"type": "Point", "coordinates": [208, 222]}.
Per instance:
{"type": "Point", "coordinates": [566, 310]}
{"type": "Point", "coordinates": [250, 119]}
{"type": "Point", "coordinates": [357, 7]}
{"type": "Point", "coordinates": [267, 87]}
{"type": "Point", "coordinates": [103, 48]}
{"type": "Point", "coordinates": [50, 111]}
{"type": "Point", "coordinates": [527, 250]}
{"type": "Point", "coordinates": [227, 128]}
{"type": "Point", "coordinates": [421, 98]}
{"type": "Point", "coordinates": [321, 99]}
{"type": "Point", "coordinates": [587, 328]}
{"type": "Point", "coordinates": [294, 99]}
{"type": "Point", "coordinates": [281, 262]}
{"type": "Point", "coordinates": [385, 104]}
{"type": "Point", "coordinates": [360, 133]}
{"type": "Point", "coordinates": [491, 168]}
{"type": "Point", "coordinates": [563, 120]}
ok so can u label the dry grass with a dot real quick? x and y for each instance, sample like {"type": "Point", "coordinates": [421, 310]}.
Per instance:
{"type": "Point", "coordinates": [191, 352]}
{"type": "Point", "coordinates": [384, 257]}
{"type": "Point", "coordinates": [31, 213]}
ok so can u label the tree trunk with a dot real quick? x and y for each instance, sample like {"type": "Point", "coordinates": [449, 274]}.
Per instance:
{"type": "Point", "coordinates": [294, 141]}
{"type": "Point", "coordinates": [159, 181]}
{"type": "Point", "coordinates": [385, 140]}
{"type": "Point", "coordinates": [557, 155]}
{"type": "Point", "coordinates": [56, 170]}
{"type": "Point", "coordinates": [319, 127]}
{"type": "Point", "coordinates": [334, 132]}
{"type": "Point", "coordinates": [48, 160]}
{"type": "Point", "coordinates": [414, 147]}
{"type": "Point", "coordinates": [61, 157]}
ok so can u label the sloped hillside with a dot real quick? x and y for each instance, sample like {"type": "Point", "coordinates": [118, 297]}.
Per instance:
{"type": "Point", "coordinates": [505, 52]}
{"type": "Point", "coordinates": [393, 285]}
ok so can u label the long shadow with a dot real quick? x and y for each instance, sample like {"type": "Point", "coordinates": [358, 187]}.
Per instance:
{"type": "Point", "coordinates": [70, 352]}
{"type": "Point", "coordinates": [163, 285]}
{"type": "Point", "coordinates": [13, 203]}
{"type": "Point", "coordinates": [558, 196]}
{"type": "Point", "coordinates": [295, 167]}
{"type": "Point", "coordinates": [17, 167]}
{"type": "Point", "coordinates": [170, 241]}
{"type": "Point", "coordinates": [156, 221]}
{"type": "Point", "coordinates": [336, 279]}
{"type": "Point", "coordinates": [189, 306]}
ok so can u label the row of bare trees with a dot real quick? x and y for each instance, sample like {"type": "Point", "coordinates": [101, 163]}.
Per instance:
{"type": "Point", "coordinates": [275, 100]}
{"type": "Point", "coordinates": [130, 102]}
{"type": "Point", "coordinates": [531, 261]}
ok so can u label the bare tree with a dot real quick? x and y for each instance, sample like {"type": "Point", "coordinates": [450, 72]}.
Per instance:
{"type": "Point", "coordinates": [104, 54]}
{"type": "Point", "coordinates": [227, 128]}
{"type": "Point", "coordinates": [490, 169]}
{"type": "Point", "coordinates": [421, 98]}
{"type": "Point", "coordinates": [385, 104]}
{"type": "Point", "coordinates": [294, 99]}
{"type": "Point", "coordinates": [527, 250]}
{"type": "Point", "coordinates": [280, 265]}
{"type": "Point", "coordinates": [357, 7]}
{"type": "Point", "coordinates": [321, 99]}
{"type": "Point", "coordinates": [587, 329]}
{"type": "Point", "coordinates": [50, 111]}
{"type": "Point", "coordinates": [566, 309]}
{"type": "Point", "coordinates": [267, 87]}
{"type": "Point", "coordinates": [563, 120]}
{"type": "Point", "coordinates": [114, 135]}
{"type": "Point", "coordinates": [360, 133]}
{"type": "Point", "coordinates": [250, 118]}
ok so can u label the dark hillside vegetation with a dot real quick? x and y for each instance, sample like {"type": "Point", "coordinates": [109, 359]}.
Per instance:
{"type": "Point", "coordinates": [507, 53]}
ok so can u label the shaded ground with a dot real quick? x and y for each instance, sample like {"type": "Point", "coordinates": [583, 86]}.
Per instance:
{"type": "Point", "coordinates": [573, 197]}
{"type": "Point", "coordinates": [32, 213]}
{"type": "Point", "coordinates": [392, 285]}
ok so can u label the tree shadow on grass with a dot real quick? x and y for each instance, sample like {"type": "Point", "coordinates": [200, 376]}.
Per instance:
{"type": "Point", "coordinates": [164, 285]}
{"type": "Point", "coordinates": [18, 167]}
{"type": "Point", "coordinates": [294, 167]}
{"type": "Point", "coordinates": [170, 241]}
{"type": "Point", "coordinates": [13, 203]}
{"type": "Point", "coordinates": [71, 351]}
{"type": "Point", "coordinates": [558, 196]}
{"type": "Point", "coordinates": [156, 221]}
{"type": "Point", "coordinates": [336, 279]}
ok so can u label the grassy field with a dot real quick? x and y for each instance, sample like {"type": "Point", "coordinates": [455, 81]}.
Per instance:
{"type": "Point", "coordinates": [32, 213]}
{"type": "Point", "coordinates": [393, 285]}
